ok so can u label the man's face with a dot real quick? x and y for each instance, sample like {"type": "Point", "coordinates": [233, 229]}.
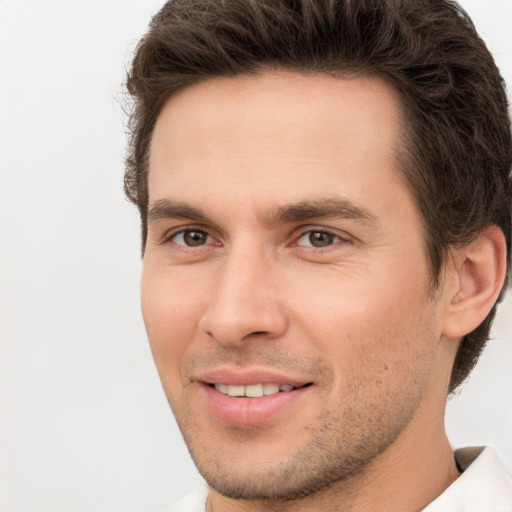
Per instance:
{"type": "Point", "coordinates": [284, 252]}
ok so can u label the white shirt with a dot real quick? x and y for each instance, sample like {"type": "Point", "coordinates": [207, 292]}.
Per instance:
{"type": "Point", "coordinates": [484, 486]}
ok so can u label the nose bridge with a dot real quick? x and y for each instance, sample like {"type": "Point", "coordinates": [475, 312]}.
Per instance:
{"type": "Point", "coordinates": [243, 300]}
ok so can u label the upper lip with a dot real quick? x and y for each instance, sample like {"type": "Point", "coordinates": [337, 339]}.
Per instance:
{"type": "Point", "coordinates": [249, 376]}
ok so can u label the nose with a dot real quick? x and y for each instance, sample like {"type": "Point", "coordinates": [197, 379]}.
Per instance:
{"type": "Point", "coordinates": [245, 301]}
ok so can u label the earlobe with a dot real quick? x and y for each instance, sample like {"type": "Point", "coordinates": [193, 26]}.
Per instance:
{"type": "Point", "coordinates": [478, 271]}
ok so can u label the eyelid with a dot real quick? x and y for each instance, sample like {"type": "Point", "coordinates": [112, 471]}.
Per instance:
{"type": "Point", "coordinates": [341, 235]}
{"type": "Point", "coordinates": [299, 233]}
{"type": "Point", "coordinates": [171, 233]}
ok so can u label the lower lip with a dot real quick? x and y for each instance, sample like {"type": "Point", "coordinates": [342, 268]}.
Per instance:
{"type": "Point", "coordinates": [250, 411]}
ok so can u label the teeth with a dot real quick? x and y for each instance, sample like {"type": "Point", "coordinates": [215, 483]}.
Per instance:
{"type": "Point", "coordinates": [236, 390]}
{"type": "Point", "coordinates": [222, 388]}
{"type": "Point", "coordinates": [270, 389]}
{"type": "Point", "coordinates": [254, 390]}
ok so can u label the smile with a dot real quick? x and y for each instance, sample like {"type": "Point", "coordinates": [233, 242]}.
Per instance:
{"type": "Point", "coordinates": [250, 404]}
{"type": "Point", "coordinates": [253, 390]}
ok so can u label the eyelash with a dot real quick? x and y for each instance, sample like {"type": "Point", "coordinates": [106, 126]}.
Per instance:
{"type": "Point", "coordinates": [337, 238]}
{"type": "Point", "coordinates": [172, 236]}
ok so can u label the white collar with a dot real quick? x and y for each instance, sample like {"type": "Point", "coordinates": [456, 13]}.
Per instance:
{"type": "Point", "coordinates": [483, 486]}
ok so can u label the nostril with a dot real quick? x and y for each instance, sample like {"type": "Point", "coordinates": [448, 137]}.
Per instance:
{"type": "Point", "coordinates": [255, 334]}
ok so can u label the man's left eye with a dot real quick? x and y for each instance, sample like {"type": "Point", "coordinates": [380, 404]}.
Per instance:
{"type": "Point", "coordinates": [318, 239]}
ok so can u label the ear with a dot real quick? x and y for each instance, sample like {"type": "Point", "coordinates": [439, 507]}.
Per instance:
{"type": "Point", "coordinates": [474, 281]}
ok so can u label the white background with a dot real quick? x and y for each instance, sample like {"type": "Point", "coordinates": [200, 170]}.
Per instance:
{"type": "Point", "coordinates": [84, 424]}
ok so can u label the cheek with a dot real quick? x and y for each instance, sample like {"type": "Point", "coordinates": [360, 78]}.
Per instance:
{"type": "Point", "coordinates": [171, 312]}
{"type": "Point", "coordinates": [367, 326]}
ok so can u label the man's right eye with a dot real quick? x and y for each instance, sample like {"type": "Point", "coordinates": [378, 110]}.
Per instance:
{"type": "Point", "coordinates": [191, 238]}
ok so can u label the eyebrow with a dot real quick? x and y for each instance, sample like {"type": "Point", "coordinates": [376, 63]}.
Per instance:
{"type": "Point", "coordinates": [334, 207]}
{"type": "Point", "coordinates": [169, 209]}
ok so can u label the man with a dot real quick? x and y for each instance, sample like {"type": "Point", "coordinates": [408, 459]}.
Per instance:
{"type": "Point", "coordinates": [325, 194]}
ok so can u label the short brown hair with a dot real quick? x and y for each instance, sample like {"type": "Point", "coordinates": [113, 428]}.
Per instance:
{"type": "Point", "coordinates": [457, 156]}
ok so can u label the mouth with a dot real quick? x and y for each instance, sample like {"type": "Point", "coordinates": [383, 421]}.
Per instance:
{"type": "Point", "coordinates": [255, 390]}
{"type": "Point", "coordinates": [255, 402]}
{"type": "Point", "coordinates": [251, 396]}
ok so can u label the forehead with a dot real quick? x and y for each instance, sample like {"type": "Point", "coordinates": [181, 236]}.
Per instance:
{"type": "Point", "coordinates": [274, 135]}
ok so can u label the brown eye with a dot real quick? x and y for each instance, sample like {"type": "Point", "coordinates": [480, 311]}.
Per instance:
{"type": "Point", "coordinates": [318, 239]}
{"type": "Point", "coordinates": [191, 238]}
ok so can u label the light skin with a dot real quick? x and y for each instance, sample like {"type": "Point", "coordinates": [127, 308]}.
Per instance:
{"type": "Point", "coordinates": [283, 247]}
